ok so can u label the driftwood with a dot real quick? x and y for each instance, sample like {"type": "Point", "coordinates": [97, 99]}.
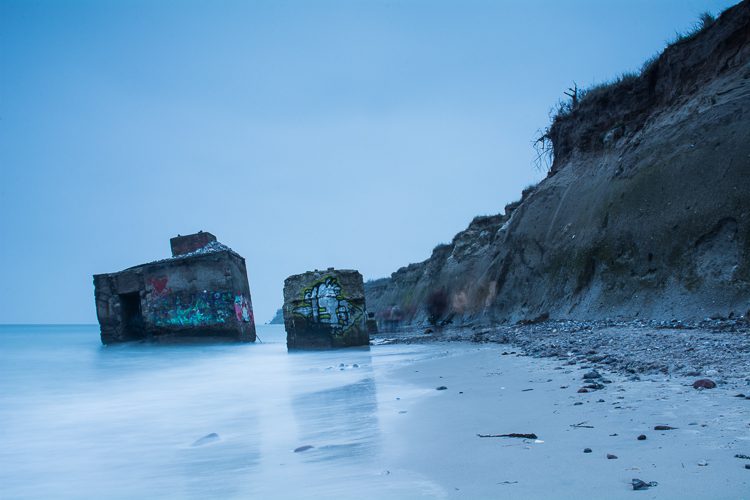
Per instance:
{"type": "Point", "coordinates": [582, 426]}
{"type": "Point", "coordinates": [511, 435]}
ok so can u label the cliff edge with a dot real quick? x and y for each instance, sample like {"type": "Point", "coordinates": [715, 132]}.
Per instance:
{"type": "Point", "coordinates": [645, 211]}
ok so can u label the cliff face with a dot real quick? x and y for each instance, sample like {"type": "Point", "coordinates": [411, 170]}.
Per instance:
{"type": "Point", "coordinates": [278, 318]}
{"type": "Point", "coordinates": [645, 212]}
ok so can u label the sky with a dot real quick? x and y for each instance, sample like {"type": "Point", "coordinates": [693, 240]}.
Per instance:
{"type": "Point", "coordinates": [303, 134]}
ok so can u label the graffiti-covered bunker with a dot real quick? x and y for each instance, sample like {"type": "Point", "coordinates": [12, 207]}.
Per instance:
{"type": "Point", "coordinates": [324, 309]}
{"type": "Point", "coordinates": [202, 291]}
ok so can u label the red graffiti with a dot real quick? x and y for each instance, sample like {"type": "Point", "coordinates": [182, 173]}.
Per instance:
{"type": "Point", "coordinates": [242, 309]}
{"type": "Point", "coordinates": [159, 285]}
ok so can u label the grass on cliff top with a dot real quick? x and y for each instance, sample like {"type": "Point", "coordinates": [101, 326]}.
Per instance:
{"type": "Point", "coordinates": [564, 108]}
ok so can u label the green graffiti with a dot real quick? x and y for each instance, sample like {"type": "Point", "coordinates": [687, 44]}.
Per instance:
{"type": "Point", "coordinates": [199, 309]}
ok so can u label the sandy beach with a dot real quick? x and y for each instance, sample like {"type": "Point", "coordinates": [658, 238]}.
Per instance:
{"type": "Point", "coordinates": [490, 393]}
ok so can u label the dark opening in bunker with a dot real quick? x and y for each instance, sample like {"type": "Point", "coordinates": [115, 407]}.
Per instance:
{"type": "Point", "coordinates": [132, 319]}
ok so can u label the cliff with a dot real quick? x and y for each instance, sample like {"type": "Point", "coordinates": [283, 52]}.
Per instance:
{"type": "Point", "coordinates": [645, 211]}
{"type": "Point", "coordinates": [278, 318]}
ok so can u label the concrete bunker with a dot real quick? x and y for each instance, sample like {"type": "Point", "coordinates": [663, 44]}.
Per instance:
{"type": "Point", "coordinates": [202, 291]}
{"type": "Point", "coordinates": [324, 309]}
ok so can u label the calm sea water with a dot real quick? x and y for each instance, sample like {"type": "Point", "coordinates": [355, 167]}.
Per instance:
{"type": "Point", "coordinates": [80, 420]}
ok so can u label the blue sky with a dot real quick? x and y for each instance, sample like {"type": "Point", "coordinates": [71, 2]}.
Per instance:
{"type": "Point", "coordinates": [307, 134]}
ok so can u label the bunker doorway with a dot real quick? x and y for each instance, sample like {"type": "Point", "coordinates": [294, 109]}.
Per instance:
{"type": "Point", "coordinates": [132, 318]}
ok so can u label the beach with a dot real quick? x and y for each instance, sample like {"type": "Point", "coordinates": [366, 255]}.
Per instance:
{"type": "Point", "coordinates": [489, 394]}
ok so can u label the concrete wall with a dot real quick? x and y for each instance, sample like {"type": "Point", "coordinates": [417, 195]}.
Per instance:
{"type": "Point", "coordinates": [324, 309]}
{"type": "Point", "coordinates": [204, 296]}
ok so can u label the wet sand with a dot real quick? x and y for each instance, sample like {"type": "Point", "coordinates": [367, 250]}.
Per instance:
{"type": "Point", "coordinates": [490, 393]}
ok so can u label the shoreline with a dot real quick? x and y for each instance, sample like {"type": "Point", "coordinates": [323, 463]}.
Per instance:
{"type": "Point", "coordinates": [716, 349]}
{"type": "Point", "coordinates": [240, 421]}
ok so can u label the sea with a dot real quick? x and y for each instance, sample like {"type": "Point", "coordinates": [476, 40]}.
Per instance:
{"type": "Point", "coordinates": [83, 420]}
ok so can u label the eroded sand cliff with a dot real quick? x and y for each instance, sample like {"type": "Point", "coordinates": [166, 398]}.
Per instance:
{"type": "Point", "coordinates": [645, 211]}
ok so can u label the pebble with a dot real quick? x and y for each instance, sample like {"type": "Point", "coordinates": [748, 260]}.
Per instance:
{"type": "Point", "coordinates": [441, 388]}
{"type": "Point", "coordinates": [642, 437]}
{"type": "Point", "coordinates": [595, 386]}
{"type": "Point", "coordinates": [639, 484]}
{"type": "Point", "coordinates": [706, 344]}
{"type": "Point", "coordinates": [610, 456]}
{"type": "Point", "coordinates": [703, 463]}
{"type": "Point", "coordinates": [591, 375]}
{"type": "Point", "coordinates": [587, 450]}
{"type": "Point", "coordinates": [704, 383]}
{"type": "Point", "coordinates": [303, 448]}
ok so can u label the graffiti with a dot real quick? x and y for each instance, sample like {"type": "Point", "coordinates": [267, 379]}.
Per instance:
{"type": "Point", "coordinates": [159, 285]}
{"type": "Point", "coordinates": [242, 309]}
{"type": "Point", "coordinates": [324, 303]}
{"type": "Point", "coordinates": [198, 309]}
{"type": "Point", "coordinates": [165, 307]}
